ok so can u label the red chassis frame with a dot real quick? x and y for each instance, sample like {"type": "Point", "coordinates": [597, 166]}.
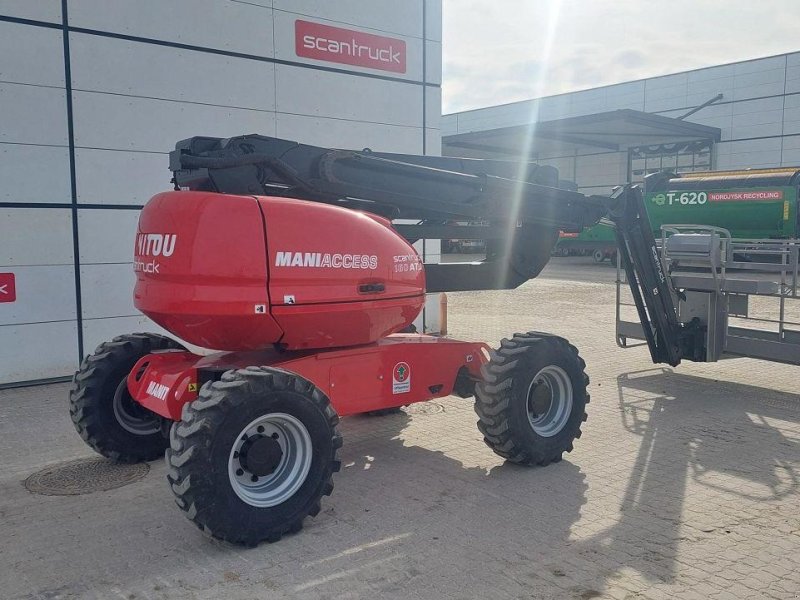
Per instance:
{"type": "Point", "coordinates": [396, 370]}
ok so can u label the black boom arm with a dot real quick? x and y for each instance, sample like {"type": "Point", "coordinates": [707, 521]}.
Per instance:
{"type": "Point", "coordinates": [518, 207]}
{"type": "Point", "coordinates": [668, 339]}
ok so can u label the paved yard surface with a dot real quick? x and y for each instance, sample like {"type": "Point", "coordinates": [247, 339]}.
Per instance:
{"type": "Point", "coordinates": [685, 484]}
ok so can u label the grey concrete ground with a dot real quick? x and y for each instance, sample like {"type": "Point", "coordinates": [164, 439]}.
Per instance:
{"type": "Point", "coordinates": [685, 484]}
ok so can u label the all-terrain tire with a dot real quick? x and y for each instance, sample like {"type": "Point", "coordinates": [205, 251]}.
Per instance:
{"type": "Point", "coordinates": [104, 414]}
{"type": "Point", "coordinates": [512, 387]}
{"type": "Point", "coordinates": [203, 448]}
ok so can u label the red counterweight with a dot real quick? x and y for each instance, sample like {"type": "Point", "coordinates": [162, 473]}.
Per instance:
{"type": "Point", "coordinates": [243, 273]}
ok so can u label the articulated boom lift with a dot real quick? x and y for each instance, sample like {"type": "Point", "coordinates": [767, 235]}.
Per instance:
{"type": "Point", "coordinates": [283, 258]}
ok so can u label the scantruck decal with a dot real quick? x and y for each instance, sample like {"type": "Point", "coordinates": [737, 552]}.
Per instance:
{"type": "Point", "coordinates": [349, 47]}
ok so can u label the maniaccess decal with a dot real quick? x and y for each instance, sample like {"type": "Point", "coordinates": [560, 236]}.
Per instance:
{"type": "Point", "coordinates": [401, 378]}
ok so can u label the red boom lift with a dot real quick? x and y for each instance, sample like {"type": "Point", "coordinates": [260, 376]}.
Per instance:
{"type": "Point", "coordinates": [283, 258]}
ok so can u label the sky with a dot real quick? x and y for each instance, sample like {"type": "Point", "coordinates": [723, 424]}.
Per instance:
{"type": "Point", "coordinates": [500, 51]}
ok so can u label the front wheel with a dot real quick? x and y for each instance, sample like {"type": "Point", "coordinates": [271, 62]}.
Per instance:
{"type": "Point", "coordinates": [254, 454]}
{"type": "Point", "coordinates": [102, 409]}
{"type": "Point", "coordinates": [532, 399]}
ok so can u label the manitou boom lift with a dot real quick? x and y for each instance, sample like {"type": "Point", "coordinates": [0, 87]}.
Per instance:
{"type": "Point", "coordinates": [283, 257]}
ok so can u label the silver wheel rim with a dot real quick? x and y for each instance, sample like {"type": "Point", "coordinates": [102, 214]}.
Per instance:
{"type": "Point", "coordinates": [549, 401]}
{"type": "Point", "coordinates": [294, 441]}
{"type": "Point", "coordinates": [127, 419]}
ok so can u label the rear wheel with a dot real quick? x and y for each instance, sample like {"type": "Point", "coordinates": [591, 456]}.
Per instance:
{"type": "Point", "coordinates": [103, 411]}
{"type": "Point", "coordinates": [254, 454]}
{"type": "Point", "coordinates": [532, 399]}
{"type": "Point", "coordinates": [598, 256]}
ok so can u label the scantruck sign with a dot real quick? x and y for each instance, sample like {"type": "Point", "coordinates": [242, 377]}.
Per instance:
{"type": "Point", "coordinates": [8, 289]}
{"type": "Point", "coordinates": [349, 47]}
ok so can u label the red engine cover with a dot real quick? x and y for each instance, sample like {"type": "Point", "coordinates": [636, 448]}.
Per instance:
{"type": "Point", "coordinates": [242, 273]}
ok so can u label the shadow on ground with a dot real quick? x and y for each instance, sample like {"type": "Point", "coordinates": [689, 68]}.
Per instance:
{"type": "Point", "coordinates": [408, 520]}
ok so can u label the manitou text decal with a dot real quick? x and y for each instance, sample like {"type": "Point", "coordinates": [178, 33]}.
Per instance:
{"type": "Point", "coordinates": [155, 245]}
{"type": "Point", "coordinates": [333, 44]}
{"type": "Point", "coordinates": [157, 390]}
{"type": "Point", "coordinates": [325, 260]}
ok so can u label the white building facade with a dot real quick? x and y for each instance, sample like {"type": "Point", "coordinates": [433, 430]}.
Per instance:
{"type": "Point", "coordinates": [735, 116]}
{"type": "Point", "coordinates": [95, 93]}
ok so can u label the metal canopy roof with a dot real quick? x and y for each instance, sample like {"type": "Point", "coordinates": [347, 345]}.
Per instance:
{"type": "Point", "coordinates": [614, 130]}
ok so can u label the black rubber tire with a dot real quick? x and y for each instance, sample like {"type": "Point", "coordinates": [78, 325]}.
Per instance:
{"type": "Point", "coordinates": [598, 256]}
{"type": "Point", "coordinates": [501, 399]}
{"type": "Point", "coordinates": [200, 446]}
{"type": "Point", "coordinates": [91, 399]}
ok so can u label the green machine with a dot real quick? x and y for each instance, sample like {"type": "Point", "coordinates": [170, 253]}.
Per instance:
{"type": "Point", "coordinates": [752, 204]}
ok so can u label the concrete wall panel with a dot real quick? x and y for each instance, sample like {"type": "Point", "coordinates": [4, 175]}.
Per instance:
{"type": "Point", "coordinates": [433, 62]}
{"type": "Point", "coordinates": [749, 153]}
{"type": "Point", "coordinates": [791, 115]}
{"type": "Point", "coordinates": [107, 236]}
{"type": "Point", "coordinates": [44, 294]}
{"type": "Point", "coordinates": [36, 174]}
{"type": "Point", "coordinates": [384, 16]}
{"type": "Point", "coordinates": [244, 27]}
{"type": "Point", "coordinates": [41, 350]}
{"type": "Point", "coordinates": [33, 115]}
{"type": "Point", "coordinates": [433, 142]}
{"type": "Point", "coordinates": [662, 93]}
{"type": "Point", "coordinates": [35, 236]}
{"type": "Point", "coordinates": [790, 151]}
{"type": "Point", "coordinates": [793, 73]}
{"type": "Point", "coordinates": [32, 55]}
{"type": "Point", "coordinates": [107, 290]}
{"type": "Point", "coordinates": [146, 70]}
{"type": "Point", "coordinates": [40, 10]}
{"type": "Point", "coordinates": [117, 177]}
{"type": "Point", "coordinates": [350, 134]}
{"type": "Point", "coordinates": [124, 123]}
{"type": "Point", "coordinates": [433, 106]}
{"type": "Point", "coordinates": [320, 94]}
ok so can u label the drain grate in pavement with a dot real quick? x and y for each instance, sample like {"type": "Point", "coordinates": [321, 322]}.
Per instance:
{"type": "Point", "coordinates": [84, 476]}
{"type": "Point", "coordinates": [424, 408]}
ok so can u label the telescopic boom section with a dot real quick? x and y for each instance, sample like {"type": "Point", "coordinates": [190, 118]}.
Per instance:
{"type": "Point", "coordinates": [517, 207]}
{"type": "Point", "coordinates": [400, 186]}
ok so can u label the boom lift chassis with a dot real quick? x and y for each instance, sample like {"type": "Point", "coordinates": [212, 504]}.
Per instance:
{"type": "Point", "coordinates": [252, 431]}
